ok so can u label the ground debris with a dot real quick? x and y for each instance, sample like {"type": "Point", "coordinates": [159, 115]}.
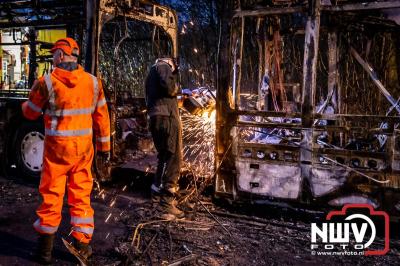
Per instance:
{"type": "Point", "coordinates": [253, 240]}
{"type": "Point", "coordinates": [256, 239]}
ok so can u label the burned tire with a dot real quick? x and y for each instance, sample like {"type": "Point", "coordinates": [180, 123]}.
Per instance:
{"type": "Point", "coordinates": [28, 149]}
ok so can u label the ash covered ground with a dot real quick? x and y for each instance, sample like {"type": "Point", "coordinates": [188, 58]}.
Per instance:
{"type": "Point", "coordinates": [241, 235]}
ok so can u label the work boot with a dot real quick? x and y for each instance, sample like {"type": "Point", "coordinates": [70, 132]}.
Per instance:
{"type": "Point", "coordinates": [168, 208]}
{"type": "Point", "coordinates": [184, 200]}
{"type": "Point", "coordinates": [44, 249]}
{"type": "Point", "coordinates": [187, 205]}
{"type": "Point", "coordinates": [84, 249]}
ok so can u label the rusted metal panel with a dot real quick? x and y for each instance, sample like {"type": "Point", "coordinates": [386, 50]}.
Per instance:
{"type": "Point", "coordinates": [267, 113]}
{"type": "Point", "coordinates": [32, 56]}
{"type": "Point", "coordinates": [280, 181]}
{"type": "Point", "coordinates": [361, 6]}
{"type": "Point", "coordinates": [92, 36]}
{"type": "Point", "coordinates": [269, 11]}
{"type": "Point", "coordinates": [310, 63]}
{"type": "Point", "coordinates": [145, 11]}
{"type": "Point", "coordinates": [224, 183]}
{"type": "Point", "coordinates": [238, 65]}
{"type": "Point", "coordinates": [330, 154]}
{"type": "Point", "coordinates": [308, 87]}
{"type": "Point", "coordinates": [332, 70]}
{"type": "Point", "coordinates": [367, 67]}
{"type": "Point", "coordinates": [326, 180]}
{"type": "Point", "coordinates": [265, 124]}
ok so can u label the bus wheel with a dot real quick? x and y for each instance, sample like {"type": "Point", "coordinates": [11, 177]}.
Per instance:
{"type": "Point", "coordinates": [28, 149]}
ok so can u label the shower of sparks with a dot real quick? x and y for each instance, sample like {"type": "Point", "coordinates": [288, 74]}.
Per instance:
{"type": "Point", "coordinates": [113, 202]}
{"type": "Point", "coordinates": [147, 171]}
{"type": "Point", "coordinates": [108, 217]}
{"type": "Point", "coordinates": [199, 142]}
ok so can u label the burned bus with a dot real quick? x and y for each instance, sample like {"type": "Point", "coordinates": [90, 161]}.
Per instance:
{"type": "Point", "coordinates": [308, 104]}
{"type": "Point", "coordinates": [119, 41]}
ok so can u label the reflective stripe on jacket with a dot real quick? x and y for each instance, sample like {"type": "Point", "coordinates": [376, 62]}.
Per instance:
{"type": "Point", "coordinates": [73, 104]}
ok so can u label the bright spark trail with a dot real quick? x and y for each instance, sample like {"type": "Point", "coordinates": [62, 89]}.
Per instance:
{"type": "Point", "coordinates": [199, 142]}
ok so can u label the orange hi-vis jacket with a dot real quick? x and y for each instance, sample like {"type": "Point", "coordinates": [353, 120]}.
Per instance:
{"type": "Point", "coordinates": [74, 106]}
{"type": "Point", "coordinates": [74, 103]}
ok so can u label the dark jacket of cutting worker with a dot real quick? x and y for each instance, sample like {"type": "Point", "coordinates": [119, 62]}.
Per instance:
{"type": "Point", "coordinates": [165, 126]}
{"type": "Point", "coordinates": [74, 105]}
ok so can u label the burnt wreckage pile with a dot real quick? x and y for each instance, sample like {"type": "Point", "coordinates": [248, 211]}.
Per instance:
{"type": "Point", "coordinates": [306, 111]}
{"type": "Point", "coordinates": [310, 110]}
{"type": "Point", "coordinates": [306, 106]}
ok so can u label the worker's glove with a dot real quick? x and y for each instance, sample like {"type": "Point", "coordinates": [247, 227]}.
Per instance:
{"type": "Point", "coordinates": [105, 156]}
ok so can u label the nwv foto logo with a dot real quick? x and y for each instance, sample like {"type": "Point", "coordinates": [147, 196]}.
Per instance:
{"type": "Point", "coordinates": [348, 231]}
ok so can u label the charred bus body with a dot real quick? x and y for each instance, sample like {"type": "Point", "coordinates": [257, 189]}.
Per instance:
{"type": "Point", "coordinates": [127, 37]}
{"type": "Point", "coordinates": [307, 104]}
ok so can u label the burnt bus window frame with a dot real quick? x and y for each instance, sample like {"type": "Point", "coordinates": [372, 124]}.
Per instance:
{"type": "Point", "coordinates": [330, 144]}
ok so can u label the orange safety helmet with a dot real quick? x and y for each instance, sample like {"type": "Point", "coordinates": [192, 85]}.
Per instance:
{"type": "Point", "coordinates": [67, 45]}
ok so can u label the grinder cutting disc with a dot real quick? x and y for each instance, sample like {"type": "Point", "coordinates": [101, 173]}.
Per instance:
{"type": "Point", "coordinates": [83, 261]}
{"type": "Point", "coordinates": [192, 105]}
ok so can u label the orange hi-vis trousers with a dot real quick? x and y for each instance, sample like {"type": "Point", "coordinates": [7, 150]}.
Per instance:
{"type": "Point", "coordinates": [73, 105]}
{"type": "Point", "coordinates": [68, 162]}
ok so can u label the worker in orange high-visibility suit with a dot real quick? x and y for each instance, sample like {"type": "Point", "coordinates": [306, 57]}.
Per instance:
{"type": "Point", "coordinates": [74, 105]}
